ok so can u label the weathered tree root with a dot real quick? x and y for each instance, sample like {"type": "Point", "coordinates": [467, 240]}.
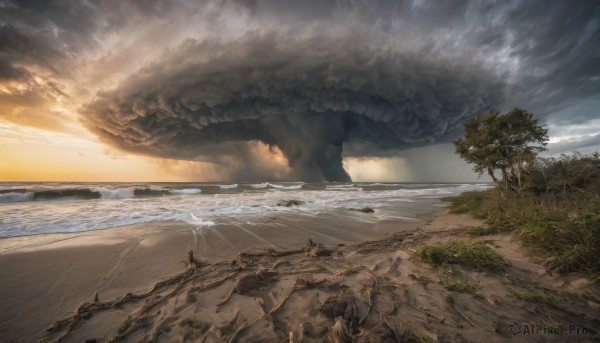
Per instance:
{"type": "Point", "coordinates": [143, 318]}
{"type": "Point", "coordinates": [250, 282]}
{"type": "Point", "coordinates": [243, 285]}
{"type": "Point", "coordinates": [243, 328]}
{"type": "Point", "coordinates": [343, 311]}
{"type": "Point", "coordinates": [85, 310]}
{"type": "Point", "coordinates": [300, 284]}
{"type": "Point", "coordinates": [255, 271]}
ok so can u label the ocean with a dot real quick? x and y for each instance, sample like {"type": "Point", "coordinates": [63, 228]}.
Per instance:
{"type": "Point", "coordinates": [51, 207]}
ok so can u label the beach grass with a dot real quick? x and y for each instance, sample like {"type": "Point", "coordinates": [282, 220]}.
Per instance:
{"type": "Point", "coordinates": [420, 278]}
{"type": "Point", "coordinates": [477, 231]}
{"type": "Point", "coordinates": [561, 223]}
{"type": "Point", "coordinates": [471, 255]}
{"type": "Point", "coordinates": [563, 227]}
{"type": "Point", "coordinates": [458, 285]}
{"type": "Point", "coordinates": [529, 296]}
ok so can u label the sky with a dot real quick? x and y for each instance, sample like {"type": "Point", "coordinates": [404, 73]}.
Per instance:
{"type": "Point", "coordinates": [256, 90]}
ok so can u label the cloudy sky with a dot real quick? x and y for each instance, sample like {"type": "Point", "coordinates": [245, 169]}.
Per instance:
{"type": "Point", "coordinates": [247, 90]}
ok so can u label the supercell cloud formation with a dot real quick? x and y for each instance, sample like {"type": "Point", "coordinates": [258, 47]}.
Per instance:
{"type": "Point", "coordinates": [318, 80]}
{"type": "Point", "coordinates": [307, 94]}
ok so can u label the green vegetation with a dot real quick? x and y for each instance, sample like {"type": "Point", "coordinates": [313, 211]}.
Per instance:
{"type": "Point", "coordinates": [552, 204]}
{"type": "Point", "coordinates": [412, 335]}
{"type": "Point", "coordinates": [501, 142]}
{"type": "Point", "coordinates": [468, 202]}
{"type": "Point", "coordinates": [420, 278]}
{"type": "Point", "coordinates": [476, 231]}
{"type": "Point", "coordinates": [459, 285]}
{"type": "Point", "coordinates": [531, 297]}
{"type": "Point", "coordinates": [453, 282]}
{"type": "Point", "coordinates": [589, 297]}
{"type": "Point", "coordinates": [568, 173]}
{"type": "Point", "coordinates": [447, 278]}
{"type": "Point", "coordinates": [557, 216]}
{"type": "Point", "coordinates": [472, 255]}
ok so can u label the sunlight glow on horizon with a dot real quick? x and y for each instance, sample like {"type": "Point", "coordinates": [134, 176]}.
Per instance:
{"type": "Point", "coordinates": [31, 154]}
{"type": "Point", "coordinates": [34, 155]}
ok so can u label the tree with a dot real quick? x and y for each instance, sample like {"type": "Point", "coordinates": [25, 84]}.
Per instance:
{"type": "Point", "coordinates": [502, 142]}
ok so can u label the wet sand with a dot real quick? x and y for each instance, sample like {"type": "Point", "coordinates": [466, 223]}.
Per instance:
{"type": "Point", "coordinates": [362, 282]}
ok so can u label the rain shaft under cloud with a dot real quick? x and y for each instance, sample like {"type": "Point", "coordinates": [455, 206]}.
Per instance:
{"type": "Point", "coordinates": [307, 94]}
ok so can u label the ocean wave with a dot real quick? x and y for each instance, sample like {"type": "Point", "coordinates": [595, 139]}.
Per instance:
{"type": "Point", "coordinates": [313, 187]}
{"type": "Point", "coordinates": [235, 185]}
{"type": "Point", "coordinates": [123, 193]}
{"type": "Point", "coordinates": [148, 192]}
{"type": "Point", "coordinates": [14, 190]}
{"type": "Point", "coordinates": [15, 197]}
{"type": "Point", "coordinates": [285, 187]}
{"type": "Point", "coordinates": [76, 193]}
{"type": "Point", "coordinates": [186, 191]}
{"type": "Point", "coordinates": [27, 218]}
{"type": "Point", "coordinates": [21, 195]}
{"type": "Point", "coordinates": [340, 186]}
{"type": "Point", "coordinates": [260, 185]}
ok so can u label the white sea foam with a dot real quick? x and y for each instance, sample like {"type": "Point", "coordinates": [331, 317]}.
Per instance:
{"type": "Point", "coordinates": [285, 186]}
{"type": "Point", "coordinates": [120, 193]}
{"type": "Point", "coordinates": [384, 184]}
{"type": "Point", "coordinates": [228, 186]}
{"type": "Point", "coordinates": [260, 185]}
{"type": "Point", "coordinates": [199, 221]}
{"type": "Point", "coordinates": [186, 191]}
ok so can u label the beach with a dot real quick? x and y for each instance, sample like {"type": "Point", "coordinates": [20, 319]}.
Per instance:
{"type": "Point", "coordinates": [45, 277]}
{"type": "Point", "coordinates": [293, 276]}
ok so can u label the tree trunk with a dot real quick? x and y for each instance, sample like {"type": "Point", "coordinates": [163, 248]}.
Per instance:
{"type": "Point", "coordinates": [517, 170]}
{"type": "Point", "coordinates": [491, 173]}
{"type": "Point", "coordinates": [504, 178]}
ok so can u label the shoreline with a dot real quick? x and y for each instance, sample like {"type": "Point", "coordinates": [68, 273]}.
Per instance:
{"type": "Point", "coordinates": [54, 281]}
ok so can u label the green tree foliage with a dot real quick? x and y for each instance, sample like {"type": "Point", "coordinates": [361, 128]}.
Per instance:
{"type": "Point", "coordinates": [502, 142]}
{"type": "Point", "coordinates": [567, 173]}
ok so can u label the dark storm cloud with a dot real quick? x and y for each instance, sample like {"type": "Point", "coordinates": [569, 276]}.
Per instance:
{"type": "Point", "coordinates": [49, 34]}
{"type": "Point", "coordinates": [42, 35]}
{"type": "Point", "coordinates": [311, 77]}
{"type": "Point", "coordinates": [557, 45]}
{"type": "Point", "coordinates": [308, 94]}
{"type": "Point", "coordinates": [40, 41]}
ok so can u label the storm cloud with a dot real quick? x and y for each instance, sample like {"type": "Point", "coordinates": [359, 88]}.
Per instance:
{"type": "Point", "coordinates": [316, 81]}
{"type": "Point", "coordinates": [307, 94]}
